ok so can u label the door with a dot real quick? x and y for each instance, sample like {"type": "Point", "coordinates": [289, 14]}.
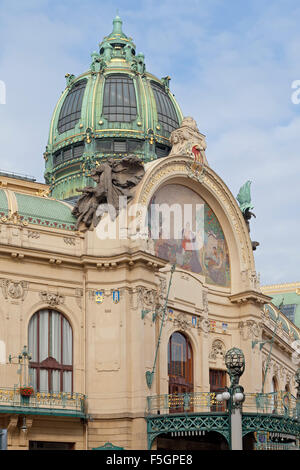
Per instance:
{"type": "Point", "coordinates": [217, 381]}
{"type": "Point", "coordinates": [180, 368]}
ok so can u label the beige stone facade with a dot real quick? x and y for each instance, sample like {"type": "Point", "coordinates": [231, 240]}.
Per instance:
{"type": "Point", "coordinates": [113, 346]}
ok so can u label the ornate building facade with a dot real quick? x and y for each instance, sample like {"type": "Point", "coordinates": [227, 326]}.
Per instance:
{"type": "Point", "coordinates": [126, 335]}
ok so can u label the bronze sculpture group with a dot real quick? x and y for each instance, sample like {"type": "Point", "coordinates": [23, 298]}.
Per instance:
{"type": "Point", "coordinates": [113, 179]}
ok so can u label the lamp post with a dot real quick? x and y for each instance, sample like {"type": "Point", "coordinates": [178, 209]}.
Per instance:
{"type": "Point", "coordinates": [235, 363]}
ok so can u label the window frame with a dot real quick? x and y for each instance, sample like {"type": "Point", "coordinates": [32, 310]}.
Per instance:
{"type": "Point", "coordinates": [50, 364]}
{"type": "Point", "coordinates": [166, 111]}
{"type": "Point", "coordinates": [70, 112]}
{"type": "Point", "coordinates": [112, 109]}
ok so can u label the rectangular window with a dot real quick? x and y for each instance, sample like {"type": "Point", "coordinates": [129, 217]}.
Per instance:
{"type": "Point", "coordinates": [217, 381]}
{"type": "Point", "coordinates": [289, 311]}
{"type": "Point", "coordinates": [119, 100]}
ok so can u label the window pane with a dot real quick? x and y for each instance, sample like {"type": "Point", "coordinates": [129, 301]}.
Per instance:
{"type": "Point", "coordinates": [44, 380]}
{"type": "Point", "coordinates": [119, 102]}
{"type": "Point", "coordinates": [67, 382]}
{"type": "Point", "coordinates": [32, 340]}
{"type": "Point", "coordinates": [165, 109]}
{"type": "Point", "coordinates": [43, 344]}
{"type": "Point", "coordinates": [55, 336]}
{"type": "Point", "coordinates": [71, 109]}
{"type": "Point", "coordinates": [55, 381]}
{"type": "Point", "coordinates": [32, 378]}
{"type": "Point", "coordinates": [67, 343]}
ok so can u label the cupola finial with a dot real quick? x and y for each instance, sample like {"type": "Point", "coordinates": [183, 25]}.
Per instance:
{"type": "Point", "coordinates": [117, 25]}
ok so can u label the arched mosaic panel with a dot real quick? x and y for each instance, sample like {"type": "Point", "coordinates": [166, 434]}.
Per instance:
{"type": "Point", "coordinates": [184, 230]}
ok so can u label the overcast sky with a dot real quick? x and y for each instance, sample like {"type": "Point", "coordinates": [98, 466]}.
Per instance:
{"type": "Point", "coordinates": [232, 65]}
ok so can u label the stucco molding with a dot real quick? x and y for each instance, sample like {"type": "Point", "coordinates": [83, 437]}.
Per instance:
{"type": "Point", "coordinates": [14, 290]}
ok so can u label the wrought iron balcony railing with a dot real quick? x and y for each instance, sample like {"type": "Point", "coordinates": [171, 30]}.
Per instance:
{"type": "Point", "coordinates": [199, 402]}
{"type": "Point", "coordinates": [276, 403]}
{"type": "Point", "coordinates": [60, 403]}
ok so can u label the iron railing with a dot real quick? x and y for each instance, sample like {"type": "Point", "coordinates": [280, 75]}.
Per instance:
{"type": "Point", "coordinates": [60, 403]}
{"type": "Point", "coordinates": [276, 403]}
{"type": "Point", "coordinates": [199, 402]}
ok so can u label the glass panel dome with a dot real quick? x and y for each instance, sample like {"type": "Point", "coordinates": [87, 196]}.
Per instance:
{"type": "Point", "coordinates": [71, 109]}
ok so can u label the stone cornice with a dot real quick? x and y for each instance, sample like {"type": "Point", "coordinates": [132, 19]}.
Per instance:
{"type": "Point", "coordinates": [250, 296]}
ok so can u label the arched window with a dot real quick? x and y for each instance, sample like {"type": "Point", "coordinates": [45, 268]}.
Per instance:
{"type": "Point", "coordinates": [71, 109]}
{"type": "Point", "coordinates": [180, 364]}
{"type": "Point", "coordinates": [50, 341]}
{"type": "Point", "coordinates": [165, 109]}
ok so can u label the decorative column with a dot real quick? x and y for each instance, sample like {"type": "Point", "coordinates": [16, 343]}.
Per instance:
{"type": "Point", "coordinates": [235, 363]}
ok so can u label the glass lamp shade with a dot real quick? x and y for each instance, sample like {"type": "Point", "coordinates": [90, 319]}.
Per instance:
{"type": "Point", "coordinates": [219, 397]}
{"type": "Point", "coordinates": [238, 397]}
{"type": "Point", "coordinates": [226, 395]}
{"type": "Point", "coordinates": [235, 361]}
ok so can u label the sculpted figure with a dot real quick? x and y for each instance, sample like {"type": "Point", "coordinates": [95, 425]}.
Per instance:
{"type": "Point", "coordinates": [187, 140]}
{"type": "Point", "coordinates": [244, 200]}
{"type": "Point", "coordinates": [113, 179]}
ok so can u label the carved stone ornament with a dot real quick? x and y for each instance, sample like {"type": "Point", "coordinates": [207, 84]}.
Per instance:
{"type": "Point", "coordinates": [250, 330]}
{"type": "Point", "coordinates": [114, 179]}
{"type": "Point", "coordinates": [187, 140]}
{"type": "Point", "coordinates": [51, 298]}
{"type": "Point", "coordinates": [14, 218]}
{"type": "Point", "coordinates": [181, 321]}
{"type": "Point", "coordinates": [33, 234]}
{"type": "Point", "coordinates": [78, 297]}
{"type": "Point", "coordinates": [205, 325]}
{"type": "Point", "coordinates": [14, 289]}
{"type": "Point", "coordinates": [69, 241]}
{"type": "Point", "coordinates": [218, 349]}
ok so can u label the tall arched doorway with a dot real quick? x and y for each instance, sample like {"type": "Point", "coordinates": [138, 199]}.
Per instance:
{"type": "Point", "coordinates": [180, 364]}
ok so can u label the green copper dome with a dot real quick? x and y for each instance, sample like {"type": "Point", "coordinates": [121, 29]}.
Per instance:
{"type": "Point", "coordinates": [114, 109]}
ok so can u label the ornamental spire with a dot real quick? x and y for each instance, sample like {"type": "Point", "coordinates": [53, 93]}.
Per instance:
{"type": "Point", "coordinates": [117, 25]}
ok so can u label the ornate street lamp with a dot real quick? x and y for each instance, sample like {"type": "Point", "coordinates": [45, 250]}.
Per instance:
{"type": "Point", "coordinates": [235, 363]}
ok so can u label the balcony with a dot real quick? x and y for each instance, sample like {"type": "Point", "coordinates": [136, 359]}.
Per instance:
{"type": "Point", "coordinates": [277, 403]}
{"type": "Point", "coordinates": [43, 403]}
{"type": "Point", "coordinates": [200, 402]}
{"type": "Point", "coordinates": [190, 413]}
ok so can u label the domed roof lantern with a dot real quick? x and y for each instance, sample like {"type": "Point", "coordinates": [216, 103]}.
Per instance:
{"type": "Point", "coordinates": [117, 41]}
{"type": "Point", "coordinates": [117, 27]}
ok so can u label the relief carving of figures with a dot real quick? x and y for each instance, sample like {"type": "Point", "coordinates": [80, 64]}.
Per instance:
{"type": "Point", "coordinates": [181, 322]}
{"type": "Point", "coordinates": [217, 349]}
{"type": "Point", "coordinates": [51, 298]}
{"type": "Point", "coordinates": [250, 330]}
{"type": "Point", "coordinates": [113, 179]}
{"type": "Point", "coordinates": [78, 296]}
{"type": "Point", "coordinates": [205, 302]}
{"type": "Point", "coordinates": [252, 279]}
{"type": "Point", "coordinates": [205, 325]}
{"type": "Point", "coordinates": [14, 289]}
{"type": "Point", "coordinates": [147, 297]}
{"type": "Point", "coordinates": [187, 140]}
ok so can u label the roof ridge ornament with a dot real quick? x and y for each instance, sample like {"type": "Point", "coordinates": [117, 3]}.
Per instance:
{"type": "Point", "coordinates": [187, 140]}
{"type": "Point", "coordinates": [244, 200]}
